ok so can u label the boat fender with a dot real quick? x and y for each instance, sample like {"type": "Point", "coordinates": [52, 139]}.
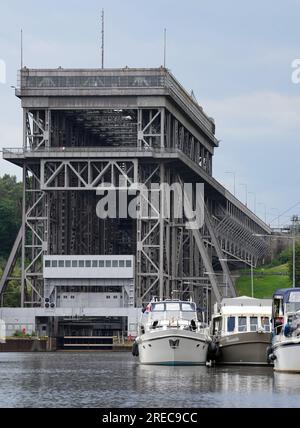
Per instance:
{"type": "Point", "coordinates": [135, 349]}
{"type": "Point", "coordinates": [213, 350]}
{"type": "Point", "coordinates": [269, 353]}
{"type": "Point", "coordinates": [193, 325]}
{"type": "Point", "coordinates": [218, 351]}
{"type": "Point", "coordinates": [212, 347]}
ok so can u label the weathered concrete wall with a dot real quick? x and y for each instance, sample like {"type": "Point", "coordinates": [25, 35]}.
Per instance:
{"type": "Point", "coordinates": [23, 345]}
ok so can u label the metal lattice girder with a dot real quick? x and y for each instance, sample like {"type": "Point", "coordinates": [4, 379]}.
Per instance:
{"type": "Point", "coordinates": [234, 231]}
{"type": "Point", "coordinates": [219, 251]}
{"type": "Point", "coordinates": [203, 250]}
{"type": "Point", "coordinates": [37, 129]}
{"type": "Point", "coordinates": [11, 262]}
{"type": "Point", "coordinates": [87, 174]}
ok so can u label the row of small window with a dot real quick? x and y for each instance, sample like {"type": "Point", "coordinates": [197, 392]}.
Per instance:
{"type": "Point", "coordinates": [73, 297]}
{"type": "Point", "coordinates": [242, 324]}
{"type": "Point", "coordinates": [88, 263]}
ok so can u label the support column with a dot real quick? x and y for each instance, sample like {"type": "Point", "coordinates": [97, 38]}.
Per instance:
{"type": "Point", "coordinates": [161, 231]}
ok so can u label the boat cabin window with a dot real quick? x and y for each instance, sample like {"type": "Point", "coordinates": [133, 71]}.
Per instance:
{"type": "Point", "coordinates": [265, 323]}
{"type": "Point", "coordinates": [253, 323]}
{"type": "Point", "coordinates": [278, 314]}
{"type": "Point", "coordinates": [217, 325]}
{"type": "Point", "coordinates": [158, 307]}
{"type": "Point", "coordinates": [293, 304]}
{"type": "Point", "coordinates": [278, 307]}
{"type": "Point", "coordinates": [242, 324]}
{"type": "Point", "coordinates": [230, 324]}
{"type": "Point", "coordinates": [173, 307]}
{"type": "Point", "coordinates": [188, 307]}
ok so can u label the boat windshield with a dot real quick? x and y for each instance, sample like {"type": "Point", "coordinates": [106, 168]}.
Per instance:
{"type": "Point", "coordinates": [293, 307]}
{"type": "Point", "coordinates": [173, 310]}
{"type": "Point", "coordinates": [293, 304]}
{"type": "Point", "coordinates": [173, 306]}
{"type": "Point", "coordinates": [158, 307]}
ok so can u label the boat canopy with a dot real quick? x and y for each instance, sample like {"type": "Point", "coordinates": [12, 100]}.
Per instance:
{"type": "Point", "coordinates": [289, 295]}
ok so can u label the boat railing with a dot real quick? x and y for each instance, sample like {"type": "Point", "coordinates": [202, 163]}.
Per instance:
{"type": "Point", "coordinates": [174, 323]}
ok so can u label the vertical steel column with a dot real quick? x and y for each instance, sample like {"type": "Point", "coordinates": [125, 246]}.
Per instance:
{"type": "Point", "coordinates": [23, 237]}
{"type": "Point", "coordinates": [161, 231]}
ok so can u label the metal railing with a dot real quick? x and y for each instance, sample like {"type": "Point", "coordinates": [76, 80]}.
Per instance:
{"type": "Point", "coordinates": [24, 151]}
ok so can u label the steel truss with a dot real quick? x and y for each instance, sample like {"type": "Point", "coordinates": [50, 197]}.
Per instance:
{"type": "Point", "coordinates": [60, 199]}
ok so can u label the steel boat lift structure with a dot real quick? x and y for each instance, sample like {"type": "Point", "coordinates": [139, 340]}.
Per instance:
{"type": "Point", "coordinates": [84, 128]}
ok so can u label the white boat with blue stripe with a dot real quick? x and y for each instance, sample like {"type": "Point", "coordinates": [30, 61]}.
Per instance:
{"type": "Point", "coordinates": [285, 349]}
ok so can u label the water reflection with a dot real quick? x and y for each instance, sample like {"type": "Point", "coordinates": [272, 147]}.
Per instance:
{"type": "Point", "coordinates": [117, 380]}
{"type": "Point", "coordinates": [287, 383]}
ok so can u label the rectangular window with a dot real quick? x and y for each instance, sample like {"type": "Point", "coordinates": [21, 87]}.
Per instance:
{"type": "Point", "coordinates": [101, 263]}
{"type": "Point", "coordinates": [115, 263]}
{"type": "Point", "coordinates": [217, 325]}
{"type": "Point", "coordinates": [122, 263]}
{"type": "Point", "coordinates": [108, 297]}
{"type": "Point", "coordinates": [115, 297]}
{"type": "Point", "coordinates": [68, 263]}
{"type": "Point", "coordinates": [88, 264]}
{"type": "Point", "coordinates": [61, 264]}
{"type": "Point", "coordinates": [54, 263]}
{"type": "Point", "coordinates": [230, 324]}
{"type": "Point", "coordinates": [265, 323]}
{"type": "Point", "coordinates": [108, 263]}
{"type": "Point", "coordinates": [94, 263]}
{"type": "Point", "coordinates": [187, 307]}
{"type": "Point", "coordinates": [128, 263]}
{"type": "Point", "coordinates": [81, 263]}
{"type": "Point", "coordinates": [242, 324]}
{"type": "Point", "coordinates": [158, 307]}
{"type": "Point", "coordinates": [253, 323]}
{"type": "Point", "coordinates": [173, 307]}
{"type": "Point", "coordinates": [47, 264]}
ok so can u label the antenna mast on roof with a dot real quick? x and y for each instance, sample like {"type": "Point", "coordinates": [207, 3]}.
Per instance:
{"type": "Point", "coordinates": [21, 49]}
{"type": "Point", "coordinates": [165, 47]}
{"type": "Point", "coordinates": [102, 47]}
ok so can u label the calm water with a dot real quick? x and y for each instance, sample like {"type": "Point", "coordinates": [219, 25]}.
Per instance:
{"type": "Point", "coordinates": [117, 380]}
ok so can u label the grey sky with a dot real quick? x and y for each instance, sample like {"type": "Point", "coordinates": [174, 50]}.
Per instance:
{"type": "Point", "coordinates": [235, 55]}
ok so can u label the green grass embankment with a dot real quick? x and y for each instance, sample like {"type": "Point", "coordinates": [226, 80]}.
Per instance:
{"type": "Point", "coordinates": [266, 281]}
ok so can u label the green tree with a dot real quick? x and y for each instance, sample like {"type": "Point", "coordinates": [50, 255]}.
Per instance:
{"type": "Point", "coordinates": [12, 294]}
{"type": "Point", "coordinates": [297, 264]}
{"type": "Point", "coordinates": [10, 213]}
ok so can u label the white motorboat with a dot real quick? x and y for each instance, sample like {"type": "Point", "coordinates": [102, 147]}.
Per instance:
{"type": "Point", "coordinates": [241, 331]}
{"type": "Point", "coordinates": [285, 349]}
{"type": "Point", "coordinates": [170, 334]}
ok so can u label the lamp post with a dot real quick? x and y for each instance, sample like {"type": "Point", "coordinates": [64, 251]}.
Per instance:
{"type": "Point", "coordinates": [278, 217]}
{"type": "Point", "coordinates": [246, 192]}
{"type": "Point", "coordinates": [234, 180]}
{"type": "Point", "coordinates": [252, 273]}
{"type": "Point", "coordinates": [194, 283]}
{"type": "Point", "coordinates": [261, 203]}
{"type": "Point", "coordinates": [254, 197]}
{"type": "Point", "coordinates": [293, 238]}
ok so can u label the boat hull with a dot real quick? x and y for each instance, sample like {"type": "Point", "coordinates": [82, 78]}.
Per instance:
{"type": "Point", "coordinates": [248, 348]}
{"type": "Point", "coordinates": [287, 356]}
{"type": "Point", "coordinates": [173, 348]}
